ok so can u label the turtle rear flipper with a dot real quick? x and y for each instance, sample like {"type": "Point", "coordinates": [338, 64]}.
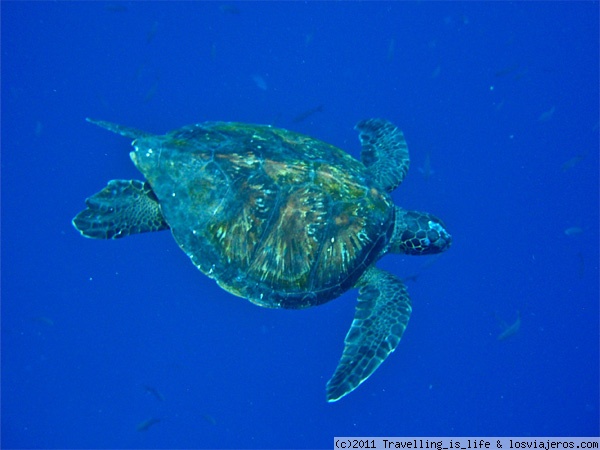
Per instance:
{"type": "Point", "coordinates": [381, 317]}
{"type": "Point", "coordinates": [384, 151]}
{"type": "Point", "coordinates": [122, 208]}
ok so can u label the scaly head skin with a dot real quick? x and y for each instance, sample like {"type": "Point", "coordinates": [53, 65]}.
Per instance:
{"type": "Point", "coordinates": [418, 233]}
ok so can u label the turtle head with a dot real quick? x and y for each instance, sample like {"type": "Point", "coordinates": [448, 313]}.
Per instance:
{"type": "Point", "coordinates": [418, 233]}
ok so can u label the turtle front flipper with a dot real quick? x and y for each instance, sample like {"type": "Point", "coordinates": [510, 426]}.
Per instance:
{"type": "Point", "coordinates": [122, 208]}
{"type": "Point", "coordinates": [381, 317]}
{"type": "Point", "coordinates": [384, 151]}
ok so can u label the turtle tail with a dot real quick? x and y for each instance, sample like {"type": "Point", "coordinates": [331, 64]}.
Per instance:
{"type": "Point", "coordinates": [129, 132]}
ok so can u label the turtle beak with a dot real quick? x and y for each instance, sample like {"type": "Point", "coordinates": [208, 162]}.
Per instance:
{"type": "Point", "coordinates": [440, 239]}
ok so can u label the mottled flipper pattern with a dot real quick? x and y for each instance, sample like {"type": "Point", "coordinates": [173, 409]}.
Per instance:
{"type": "Point", "coordinates": [381, 317]}
{"type": "Point", "coordinates": [122, 208]}
{"type": "Point", "coordinates": [384, 151]}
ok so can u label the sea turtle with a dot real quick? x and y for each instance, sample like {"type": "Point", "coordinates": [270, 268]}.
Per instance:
{"type": "Point", "coordinates": [281, 219]}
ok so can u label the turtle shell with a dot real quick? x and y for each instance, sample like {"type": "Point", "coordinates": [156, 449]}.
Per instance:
{"type": "Point", "coordinates": [274, 216]}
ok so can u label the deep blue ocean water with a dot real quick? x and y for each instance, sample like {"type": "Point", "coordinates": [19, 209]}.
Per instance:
{"type": "Point", "coordinates": [499, 104]}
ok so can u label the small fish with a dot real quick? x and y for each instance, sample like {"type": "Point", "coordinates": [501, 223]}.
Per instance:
{"type": "Point", "coordinates": [521, 73]}
{"type": "Point", "coordinates": [152, 33]}
{"type": "Point", "coordinates": [547, 115]}
{"type": "Point", "coordinates": [309, 38]}
{"type": "Point", "coordinates": [412, 277]}
{"type": "Point", "coordinates": [154, 392]}
{"type": "Point", "coordinates": [45, 320]}
{"type": "Point", "coordinates": [139, 71]}
{"type": "Point", "coordinates": [39, 127]}
{"type": "Point", "coordinates": [426, 170]}
{"type": "Point", "coordinates": [510, 330]}
{"type": "Point", "coordinates": [259, 82]}
{"type": "Point", "coordinates": [229, 9]}
{"type": "Point", "coordinates": [391, 50]}
{"type": "Point", "coordinates": [210, 419]}
{"type": "Point", "coordinates": [151, 92]}
{"type": "Point", "coordinates": [115, 7]}
{"type": "Point", "coordinates": [306, 114]}
{"type": "Point", "coordinates": [572, 162]}
{"type": "Point", "coordinates": [509, 70]}
{"type": "Point", "coordinates": [430, 261]}
{"type": "Point", "coordinates": [574, 231]}
{"type": "Point", "coordinates": [146, 424]}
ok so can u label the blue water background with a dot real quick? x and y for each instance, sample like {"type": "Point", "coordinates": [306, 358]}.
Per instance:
{"type": "Point", "coordinates": [500, 98]}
